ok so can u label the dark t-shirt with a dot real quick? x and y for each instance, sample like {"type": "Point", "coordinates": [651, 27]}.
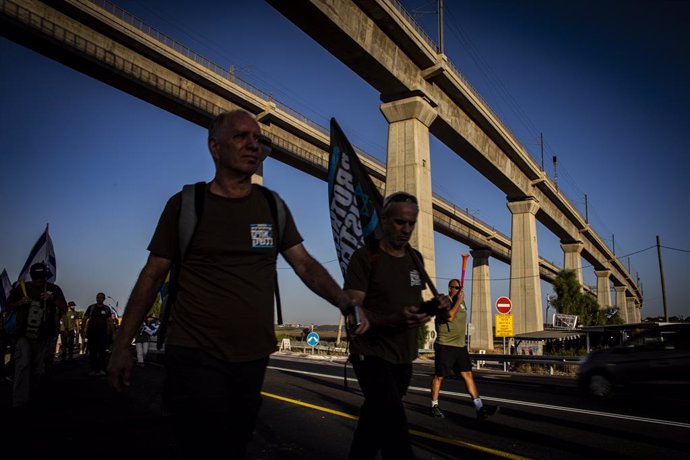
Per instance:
{"type": "Point", "coordinates": [226, 285]}
{"type": "Point", "coordinates": [395, 284]}
{"type": "Point", "coordinates": [49, 325]}
{"type": "Point", "coordinates": [98, 317]}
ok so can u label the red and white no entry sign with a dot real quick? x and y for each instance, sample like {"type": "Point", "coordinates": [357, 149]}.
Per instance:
{"type": "Point", "coordinates": [504, 305]}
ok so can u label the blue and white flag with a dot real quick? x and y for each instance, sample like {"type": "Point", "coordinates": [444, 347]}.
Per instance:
{"type": "Point", "coordinates": [42, 252]}
{"type": "Point", "coordinates": [4, 289]}
{"type": "Point", "coordinates": [354, 201]}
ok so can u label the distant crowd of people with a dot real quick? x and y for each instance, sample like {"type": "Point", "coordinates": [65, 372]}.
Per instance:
{"type": "Point", "coordinates": [39, 327]}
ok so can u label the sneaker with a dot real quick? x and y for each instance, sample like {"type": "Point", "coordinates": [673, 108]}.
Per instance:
{"type": "Point", "coordinates": [486, 411]}
{"type": "Point", "coordinates": [436, 411]}
{"type": "Point", "coordinates": [102, 373]}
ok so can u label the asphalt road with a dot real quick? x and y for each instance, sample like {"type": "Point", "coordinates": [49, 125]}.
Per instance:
{"type": "Point", "coordinates": [306, 414]}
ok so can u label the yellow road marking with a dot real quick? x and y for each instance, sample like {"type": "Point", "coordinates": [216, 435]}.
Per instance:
{"type": "Point", "coordinates": [311, 406]}
{"type": "Point", "coordinates": [421, 434]}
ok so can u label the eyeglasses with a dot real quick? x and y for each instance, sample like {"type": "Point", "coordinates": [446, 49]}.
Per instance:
{"type": "Point", "coordinates": [453, 287]}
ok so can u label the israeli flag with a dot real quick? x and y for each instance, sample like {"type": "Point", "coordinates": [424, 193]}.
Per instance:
{"type": "Point", "coordinates": [42, 252]}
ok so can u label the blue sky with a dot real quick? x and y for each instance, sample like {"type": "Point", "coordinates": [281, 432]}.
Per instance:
{"type": "Point", "coordinates": [605, 82]}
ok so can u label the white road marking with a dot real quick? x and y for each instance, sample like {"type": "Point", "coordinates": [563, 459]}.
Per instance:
{"type": "Point", "coordinates": [510, 401]}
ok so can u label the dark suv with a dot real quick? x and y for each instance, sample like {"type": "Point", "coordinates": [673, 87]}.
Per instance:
{"type": "Point", "coordinates": [656, 357]}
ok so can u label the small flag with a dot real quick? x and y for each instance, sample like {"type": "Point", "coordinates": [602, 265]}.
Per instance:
{"type": "Point", "coordinates": [354, 201]}
{"type": "Point", "coordinates": [42, 252]}
{"type": "Point", "coordinates": [4, 290]}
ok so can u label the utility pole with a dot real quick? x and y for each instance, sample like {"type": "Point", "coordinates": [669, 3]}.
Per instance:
{"type": "Point", "coordinates": [541, 143]}
{"type": "Point", "coordinates": [613, 243]}
{"type": "Point", "coordinates": [586, 210]}
{"type": "Point", "coordinates": [440, 26]}
{"type": "Point", "coordinates": [555, 170]}
{"type": "Point", "coordinates": [661, 271]}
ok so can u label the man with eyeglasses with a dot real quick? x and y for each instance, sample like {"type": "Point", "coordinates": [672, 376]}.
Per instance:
{"type": "Point", "coordinates": [450, 353]}
{"type": "Point", "coordinates": [387, 281]}
{"type": "Point", "coordinates": [221, 329]}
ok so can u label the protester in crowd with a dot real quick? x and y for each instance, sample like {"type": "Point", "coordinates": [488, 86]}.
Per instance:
{"type": "Point", "coordinates": [7, 340]}
{"type": "Point", "coordinates": [99, 328]}
{"type": "Point", "coordinates": [450, 353]}
{"type": "Point", "coordinates": [8, 323]}
{"type": "Point", "coordinates": [143, 339]}
{"type": "Point", "coordinates": [38, 305]}
{"type": "Point", "coordinates": [386, 278]}
{"type": "Point", "coordinates": [221, 333]}
{"type": "Point", "coordinates": [69, 331]}
{"type": "Point", "coordinates": [83, 340]}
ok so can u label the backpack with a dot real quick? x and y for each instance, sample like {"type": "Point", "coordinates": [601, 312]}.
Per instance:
{"type": "Point", "coordinates": [191, 210]}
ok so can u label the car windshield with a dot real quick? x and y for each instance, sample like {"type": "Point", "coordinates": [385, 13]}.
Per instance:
{"type": "Point", "coordinates": [660, 338]}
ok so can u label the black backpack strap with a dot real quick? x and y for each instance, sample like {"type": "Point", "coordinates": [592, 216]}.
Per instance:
{"type": "Point", "coordinates": [191, 210]}
{"type": "Point", "coordinates": [277, 206]}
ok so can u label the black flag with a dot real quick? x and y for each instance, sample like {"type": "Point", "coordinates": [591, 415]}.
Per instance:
{"type": "Point", "coordinates": [354, 201]}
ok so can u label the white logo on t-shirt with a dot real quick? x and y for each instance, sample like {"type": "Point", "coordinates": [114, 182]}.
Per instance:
{"type": "Point", "coordinates": [262, 235]}
{"type": "Point", "coordinates": [415, 279]}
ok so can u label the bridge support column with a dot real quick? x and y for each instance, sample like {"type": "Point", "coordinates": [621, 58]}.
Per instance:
{"type": "Point", "coordinates": [620, 302]}
{"type": "Point", "coordinates": [572, 260]}
{"type": "Point", "coordinates": [258, 176]}
{"type": "Point", "coordinates": [480, 310]}
{"type": "Point", "coordinates": [603, 289]}
{"type": "Point", "coordinates": [637, 317]}
{"type": "Point", "coordinates": [630, 310]}
{"type": "Point", "coordinates": [525, 288]}
{"type": "Point", "coordinates": [408, 166]}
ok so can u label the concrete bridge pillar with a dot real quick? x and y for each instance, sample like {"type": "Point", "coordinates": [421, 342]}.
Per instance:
{"type": "Point", "coordinates": [480, 313]}
{"type": "Point", "coordinates": [638, 312]}
{"type": "Point", "coordinates": [603, 289]}
{"type": "Point", "coordinates": [258, 176]}
{"type": "Point", "coordinates": [620, 302]}
{"type": "Point", "coordinates": [630, 310]}
{"type": "Point", "coordinates": [525, 288]}
{"type": "Point", "coordinates": [408, 167]}
{"type": "Point", "coordinates": [572, 260]}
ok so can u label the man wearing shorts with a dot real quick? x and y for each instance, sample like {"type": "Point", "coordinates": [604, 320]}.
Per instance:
{"type": "Point", "coordinates": [450, 353]}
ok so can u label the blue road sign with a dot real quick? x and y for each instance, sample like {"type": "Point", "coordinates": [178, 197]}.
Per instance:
{"type": "Point", "coordinates": [313, 339]}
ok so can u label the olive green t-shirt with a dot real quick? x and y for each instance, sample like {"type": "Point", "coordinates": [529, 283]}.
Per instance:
{"type": "Point", "coordinates": [226, 284]}
{"type": "Point", "coordinates": [394, 284]}
{"type": "Point", "coordinates": [452, 333]}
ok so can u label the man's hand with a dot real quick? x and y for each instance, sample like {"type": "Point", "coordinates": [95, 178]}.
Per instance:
{"type": "Point", "coordinates": [120, 368]}
{"type": "Point", "coordinates": [357, 321]}
{"type": "Point", "coordinates": [350, 304]}
{"type": "Point", "coordinates": [411, 317]}
{"type": "Point", "coordinates": [444, 302]}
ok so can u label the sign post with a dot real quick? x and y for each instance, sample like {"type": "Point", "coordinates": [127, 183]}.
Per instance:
{"type": "Point", "coordinates": [504, 321]}
{"type": "Point", "coordinates": [313, 340]}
